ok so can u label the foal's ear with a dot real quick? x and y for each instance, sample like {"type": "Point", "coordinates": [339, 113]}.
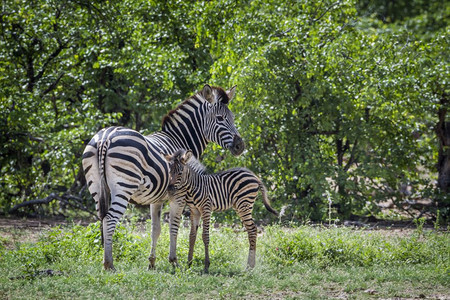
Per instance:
{"type": "Point", "coordinates": [186, 157]}
{"type": "Point", "coordinates": [207, 93]}
{"type": "Point", "coordinates": [168, 157]}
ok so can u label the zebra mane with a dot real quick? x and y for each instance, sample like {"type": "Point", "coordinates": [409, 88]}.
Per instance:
{"type": "Point", "coordinates": [219, 94]}
{"type": "Point", "coordinates": [170, 114]}
{"type": "Point", "coordinates": [196, 165]}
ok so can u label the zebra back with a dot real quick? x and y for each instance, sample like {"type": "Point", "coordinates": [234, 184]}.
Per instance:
{"type": "Point", "coordinates": [190, 179]}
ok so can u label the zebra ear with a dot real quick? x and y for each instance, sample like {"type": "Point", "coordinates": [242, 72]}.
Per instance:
{"type": "Point", "coordinates": [207, 93]}
{"type": "Point", "coordinates": [186, 157]}
{"type": "Point", "coordinates": [230, 93]}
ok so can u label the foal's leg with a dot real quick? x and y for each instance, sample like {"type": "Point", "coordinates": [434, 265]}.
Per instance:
{"type": "Point", "coordinates": [206, 216]}
{"type": "Point", "coordinates": [245, 213]}
{"type": "Point", "coordinates": [176, 209]}
{"type": "Point", "coordinates": [195, 221]}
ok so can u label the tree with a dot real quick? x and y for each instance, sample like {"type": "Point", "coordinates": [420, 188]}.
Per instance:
{"type": "Point", "coordinates": [71, 68]}
{"type": "Point", "coordinates": [337, 101]}
{"type": "Point", "coordinates": [332, 104]}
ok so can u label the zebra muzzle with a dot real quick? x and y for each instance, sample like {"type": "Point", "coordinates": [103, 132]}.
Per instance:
{"type": "Point", "coordinates": [171, 188]}
{"type": "Point", "coordinates": [238, 146]}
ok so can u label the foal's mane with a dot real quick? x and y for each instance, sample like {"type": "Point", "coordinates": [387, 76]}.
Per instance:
{"type": "Point", "coordinates": [196, 165]}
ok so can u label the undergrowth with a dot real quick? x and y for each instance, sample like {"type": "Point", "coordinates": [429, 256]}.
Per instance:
{"type": "Point", "coordinates": [345, 246]}
{"type": "Point", "coordinates": [278, 247]}
{"type": "Point", "coordinates": [305, 261]}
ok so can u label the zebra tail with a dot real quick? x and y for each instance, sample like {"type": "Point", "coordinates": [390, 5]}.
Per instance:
{"type": "Point", "coordinates": [266, 199]}
{"type": "Point", "coordinates": [105, 195]}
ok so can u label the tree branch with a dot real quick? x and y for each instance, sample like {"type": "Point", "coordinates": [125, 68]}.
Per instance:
{"type": "Point", "coordinates": [49, 59]}
{"type": "Point", "coordinates": [52, 86]}
{"type": "Point", "coordinates": [327, 10]}
{"type": "Point", "coordinates": [352, 157]}
{"type": "Point", "coordinates": [78, 204]}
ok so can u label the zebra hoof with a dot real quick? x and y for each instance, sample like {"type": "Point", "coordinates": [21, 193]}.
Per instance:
{"type": "Point", "coordinates": [173, 261]}
{"type": "Point", "coordinates": [189, 263]}
{"type": "Point", "coordinates": [152, 261]}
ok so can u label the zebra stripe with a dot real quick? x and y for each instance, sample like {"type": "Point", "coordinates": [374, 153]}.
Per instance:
{"type": "Point", "coordinates": [121, 165]}
{"type": "Point", "coordinates": [235, 188]}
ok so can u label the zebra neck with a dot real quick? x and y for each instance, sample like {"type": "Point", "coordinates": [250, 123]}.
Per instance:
{"type": "Point", "coordinates": [196, 144]}
{"type": "Point", "coordinates": [185, 123]}
{"type": "Point", "coordinates": [192, 180]}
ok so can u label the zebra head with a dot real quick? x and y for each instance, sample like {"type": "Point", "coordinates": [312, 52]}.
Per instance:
{"type": "Point", "coordinates": [219, 120]}
{"type": "Point", "coordinates": [177, 163]}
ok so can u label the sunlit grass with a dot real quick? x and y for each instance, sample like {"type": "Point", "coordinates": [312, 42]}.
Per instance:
{"type": "Point", "coordinates": [299, 262]}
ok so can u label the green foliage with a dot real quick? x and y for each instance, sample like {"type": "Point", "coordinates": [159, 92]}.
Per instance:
{"type": "Point", "coordinates": [80, 245]}
{"type": "Point", "coordinates": [70, 69]}
{"type": "Point", "coordinates": [338, 98]}
{"type": "Point", "coordinates": [334, 103]}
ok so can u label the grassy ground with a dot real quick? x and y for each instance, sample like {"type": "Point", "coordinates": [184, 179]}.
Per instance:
{"type": "Point", "coordinates": [292, 263]}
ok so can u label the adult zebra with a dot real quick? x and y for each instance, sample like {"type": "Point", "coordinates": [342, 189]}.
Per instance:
{"type": "Point", "coordinates": [121, 165]}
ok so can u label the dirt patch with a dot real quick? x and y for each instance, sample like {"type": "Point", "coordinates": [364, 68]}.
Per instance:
{"type": "Point", "coordinates": [37, 224]}
{"type": "Point", "coordinates": [15, 230]}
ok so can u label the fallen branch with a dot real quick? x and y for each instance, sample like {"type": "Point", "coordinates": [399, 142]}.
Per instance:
{"type": "Point", "coordinates": [71, 200]}
{"type": "Point", "coordinates": [46, 200]}
{"type": "Point", "coordinates": [78, 204]}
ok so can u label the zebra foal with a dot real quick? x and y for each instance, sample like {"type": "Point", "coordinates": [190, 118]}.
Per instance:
{"type": "Point", "coordinates": [190, 184]}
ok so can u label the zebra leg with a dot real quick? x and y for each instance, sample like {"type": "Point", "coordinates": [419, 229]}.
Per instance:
{"type": "Point", "coordinates": [109, 222]}
{"type": "Point", "coordinates": [206, 216]}
{"type": "Point", "coordinates": [245, 214]}
{"type": "Point", "coordinates": [176, 209]}
{"type": "Point", "coordinates": [195, 221]}
{"type": "Point", "coordinates": [155, 211]}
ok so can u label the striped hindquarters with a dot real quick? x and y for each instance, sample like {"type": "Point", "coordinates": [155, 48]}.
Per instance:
{"type": "Point", "coordinates": [125, 164]}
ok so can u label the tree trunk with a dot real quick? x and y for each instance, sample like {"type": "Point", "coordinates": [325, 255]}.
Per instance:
{"type": "Point", "coordinates": [443, 134]}
{"type": "Point", "coordinates": [443, 165]}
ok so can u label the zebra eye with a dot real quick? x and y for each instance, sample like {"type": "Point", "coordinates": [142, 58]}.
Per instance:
{"type": "Point", "coordinates": [220, 118]}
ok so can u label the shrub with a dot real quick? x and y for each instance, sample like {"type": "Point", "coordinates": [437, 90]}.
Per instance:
{"type": "Point", "coordinates": [353, 247]}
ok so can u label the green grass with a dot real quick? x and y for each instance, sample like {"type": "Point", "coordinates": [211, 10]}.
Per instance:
{"type": "Point", "coordinates": [299, 262]}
